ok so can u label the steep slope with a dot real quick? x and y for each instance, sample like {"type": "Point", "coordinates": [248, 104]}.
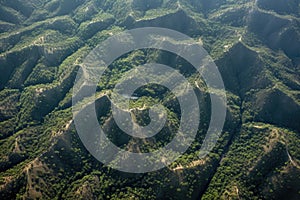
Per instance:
{"type": "Point", "coordinates": [256, 46]}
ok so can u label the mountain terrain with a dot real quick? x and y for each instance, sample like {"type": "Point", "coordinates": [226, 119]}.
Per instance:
{"type": "Point", "coordinates": [256, 46]}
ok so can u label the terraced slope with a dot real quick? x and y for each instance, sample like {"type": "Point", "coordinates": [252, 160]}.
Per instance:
{"type": "Point", "coordinates": [256, 46]}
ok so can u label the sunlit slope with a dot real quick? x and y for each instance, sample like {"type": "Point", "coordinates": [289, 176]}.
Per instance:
{"type": "Point", "coordinates": [256, 46]}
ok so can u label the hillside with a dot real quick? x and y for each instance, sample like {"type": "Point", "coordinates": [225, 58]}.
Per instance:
{"type": "Point", "coordinates": [256, 47]}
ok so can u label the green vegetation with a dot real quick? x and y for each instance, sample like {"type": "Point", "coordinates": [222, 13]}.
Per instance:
{"type": "Point", "coordinates": [255, 46]}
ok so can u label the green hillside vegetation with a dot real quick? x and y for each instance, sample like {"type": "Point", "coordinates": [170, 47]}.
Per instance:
{"type": "Point", "coordinates": [256, 46]}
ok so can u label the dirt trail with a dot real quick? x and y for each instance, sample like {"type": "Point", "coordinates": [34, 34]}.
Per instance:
{"type": "Point", "coordinates": [291, 159]}
{"type": "Point", "coordinates": [191, 165]}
